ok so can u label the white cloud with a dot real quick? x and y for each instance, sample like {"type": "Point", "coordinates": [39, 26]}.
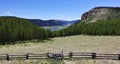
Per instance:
{"type": "Point", "coordinates": [8, 13]}
{"type": "Point", "coordinates": [61, 15]}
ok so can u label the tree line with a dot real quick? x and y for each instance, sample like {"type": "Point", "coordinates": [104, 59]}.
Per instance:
{"type": "Point", "coordinates": [13, 29]}
{"type": "Point", "coordinates": [101, 27]}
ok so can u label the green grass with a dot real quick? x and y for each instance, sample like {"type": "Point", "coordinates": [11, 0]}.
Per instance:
{"type": "Point", "coordinates": [80, 43]}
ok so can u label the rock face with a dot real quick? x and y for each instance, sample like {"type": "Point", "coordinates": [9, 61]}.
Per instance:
{"type": "Point", "coordinates": [101, 13]}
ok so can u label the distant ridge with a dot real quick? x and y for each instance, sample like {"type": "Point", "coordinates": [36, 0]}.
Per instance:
{"type": "Point", "coordinates": [43, 23]}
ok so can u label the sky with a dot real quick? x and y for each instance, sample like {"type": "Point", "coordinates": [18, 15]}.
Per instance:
{"type": "Point", "coordinates": [51, 9]}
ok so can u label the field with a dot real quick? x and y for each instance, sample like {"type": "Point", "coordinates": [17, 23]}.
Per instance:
{"type": "Point", "coordinates": [79, 43]}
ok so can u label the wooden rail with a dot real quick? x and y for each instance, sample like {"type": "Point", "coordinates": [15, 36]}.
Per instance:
{"type": "Point", "coordinates": [62, 56]}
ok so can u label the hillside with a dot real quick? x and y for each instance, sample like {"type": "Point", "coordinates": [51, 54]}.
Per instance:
{"type": "Point", "coordinates": [98, 21]}
{"type": "Point", "coordinates": [43, 23]}
{"type": "Point", "coordinates": [101, 13]}
{"type": "Point", "coordinates": [13, 29]}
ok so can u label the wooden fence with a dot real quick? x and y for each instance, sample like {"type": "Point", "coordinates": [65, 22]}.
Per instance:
{"type": "Point", "coordinates": [62, 56]}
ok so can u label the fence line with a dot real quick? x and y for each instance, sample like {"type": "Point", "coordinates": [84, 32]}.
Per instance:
{"type": "Point", "coordinates": [62, 56]}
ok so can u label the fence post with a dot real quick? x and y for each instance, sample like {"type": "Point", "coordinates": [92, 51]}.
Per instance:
{"type": "Point", "coordinates": [118, 56]}
{"type": "Point", "coordinates": [62, 57]}
{"type": "Point", "coordinates": [27, 56]}
{"type": "Point", "coordinates": [70, 54]}
{"type": "Point", "coordinates": [48, 55]}
{"type": "Point", "coordinates": [7, 57]}
{"type": "Point", "coordinates": [93, 55]}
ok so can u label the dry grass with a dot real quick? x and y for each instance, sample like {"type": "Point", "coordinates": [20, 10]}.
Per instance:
{"type": "Point", "coordinates": [93, 62]}
{"type": "Point", "coordinates": [80, 43]}
{"type": "Point", "coordinates": [33, 61]}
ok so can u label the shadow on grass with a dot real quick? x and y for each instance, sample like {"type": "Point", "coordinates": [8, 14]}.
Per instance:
{"type": "Point", "coordinates": [55, 61]}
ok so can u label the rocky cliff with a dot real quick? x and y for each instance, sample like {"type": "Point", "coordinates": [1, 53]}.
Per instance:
{"type": "Point", "coordinates": [101, 13]}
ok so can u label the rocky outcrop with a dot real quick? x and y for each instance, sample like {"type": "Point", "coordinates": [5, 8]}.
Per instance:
{"type": "Point", "coordinates": [101, 13]}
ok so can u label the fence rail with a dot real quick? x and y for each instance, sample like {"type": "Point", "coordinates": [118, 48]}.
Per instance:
{"type": "Point", "coordinates": [62, 56]}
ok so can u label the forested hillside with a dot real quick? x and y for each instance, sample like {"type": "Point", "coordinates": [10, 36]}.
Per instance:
{"type": "Point", "coordinates": [102, 27]}
{"type": "Point", "coordinates": [13, 29]}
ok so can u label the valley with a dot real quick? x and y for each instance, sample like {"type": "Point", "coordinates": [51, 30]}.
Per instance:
{"type": "Point", "coordinates": [60, 32]}
{"type": "Point", "coordinates": [78, 43]}
{"type": "Point", "coordinates": [98, 31]}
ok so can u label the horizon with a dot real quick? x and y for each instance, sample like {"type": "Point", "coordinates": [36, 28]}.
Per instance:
{"type": "Point", "coordinates": [52, 9]}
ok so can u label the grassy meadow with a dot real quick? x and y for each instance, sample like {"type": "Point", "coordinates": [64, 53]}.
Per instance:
{"type": "Point", "coordinates": [79, 43]}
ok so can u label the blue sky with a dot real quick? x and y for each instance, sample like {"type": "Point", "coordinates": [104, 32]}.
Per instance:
{"type": "Point", "coordinates": [51, 9]}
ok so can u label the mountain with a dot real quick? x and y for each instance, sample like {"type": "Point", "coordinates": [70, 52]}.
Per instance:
{"type": "Point", "coordinates": [101, 13]}
{"type": "Point", "coordinates": [97, 21]}
{"type": "Point", "coordinates": [53, 25]}
{"type": "Point", "coordinates": [44, 23]}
